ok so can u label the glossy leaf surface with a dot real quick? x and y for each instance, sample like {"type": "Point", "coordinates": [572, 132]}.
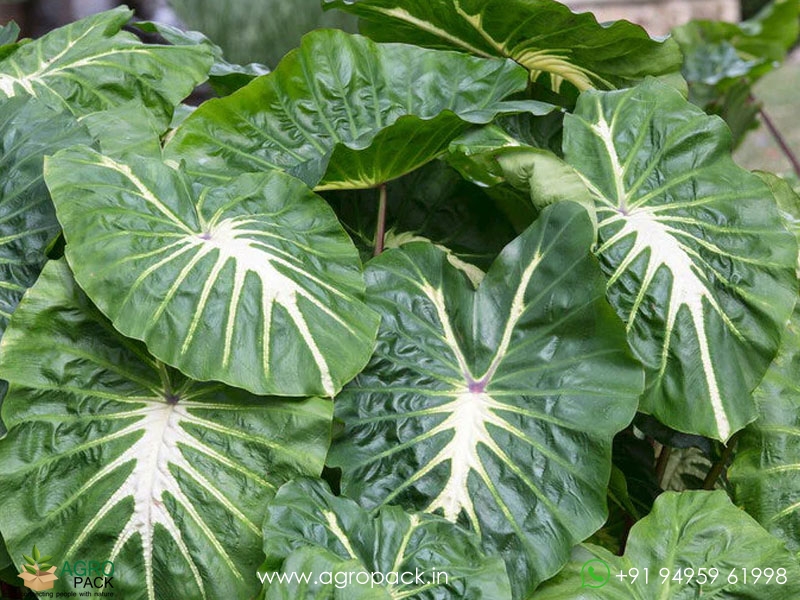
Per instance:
{"type": "Point", "coordinates": [28, 226]}
{"type": "Point", "coordinates": [92, 65]}
{"type": "Point", "coordinates": [342, 112]}
{"type": "Point", "coordinates": [699, 264]}
{"type": "Point", "coordinates": [254, 283]}
{"type": "Point", "coordinates": [307, 525]}
{"type": "Point", "coordinates": [546, 37]}
{"type": "Point", "coordinates": [110, 454]}
{"type": "Point", "coordinates": [495, 408]}
{"type": "Point", "coordinates": [766, 469]}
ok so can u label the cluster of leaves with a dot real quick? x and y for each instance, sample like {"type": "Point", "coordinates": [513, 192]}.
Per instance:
{"type": "Point", "coordinates": [569, 273]}
{"type": "Point", "coordinates": [722, 61]}
{"type": "Point", "coordinates": [36, 563]}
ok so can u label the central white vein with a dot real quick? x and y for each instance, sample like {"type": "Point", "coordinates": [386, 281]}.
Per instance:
{"type": "Point", "coordinates": [472, 410]}
{"type": "Point", "coordinates": [468, 416]}
{"type": "Point", "coordinates": [688, 290]}
{"type": "Point", "coordinates": [251, 256]}
{"type": "Point", "coordinates": [663, 248]}
{"type": "Point", "coordinates": [150, 481]}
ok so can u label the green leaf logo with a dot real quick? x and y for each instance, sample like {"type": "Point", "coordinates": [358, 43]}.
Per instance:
{"type": "Point", "coordinates": [37, 573]}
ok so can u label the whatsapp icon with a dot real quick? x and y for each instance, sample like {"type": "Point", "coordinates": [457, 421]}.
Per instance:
{"type": "Point", "coordinates": [595, 573]}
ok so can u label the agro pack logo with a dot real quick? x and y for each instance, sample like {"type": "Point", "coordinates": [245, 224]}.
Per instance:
{"type": "Point", "coordinates": [37, 573]}
{"type": "Point", "coordinates": [91, 574]}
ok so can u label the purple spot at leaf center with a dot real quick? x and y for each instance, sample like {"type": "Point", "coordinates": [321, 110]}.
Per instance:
{"type": "Point", "coordinates": [477, 387]}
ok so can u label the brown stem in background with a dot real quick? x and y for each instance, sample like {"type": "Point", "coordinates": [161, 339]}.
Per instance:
{"type": "Point", "coordinates": [719, 466]}
{"type": "Point", "coordinates": [784, 146]}
{"type": "Point", "coordinates": [380, 229]}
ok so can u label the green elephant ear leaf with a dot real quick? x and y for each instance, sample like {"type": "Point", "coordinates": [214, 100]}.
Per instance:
{"type": "Point", "coordinates": [495, 408]}
{"type": "Point", "coordinates": [692, 545]}
{"type": "Point", "coordinates": [111, 454]}
{"type": "Point", "coordinates": [307, 525]}
{"type": "Point", "coordinates": [92, 65]}
{"type": "Point", "coordinates": [342, 112]}
{"type": "Point", "coordinates": [699, 264]}
{"type": "Point", "coordinates": [190, 269]}
{"type": "Point", "coordinates": [766, 469]}
{"type": "Point", "coordinates": [29, 130]}
{"type": "Point", "coordinates": [546, 37]}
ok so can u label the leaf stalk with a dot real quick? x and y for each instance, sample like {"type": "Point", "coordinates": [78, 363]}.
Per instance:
{"type": "Point", "coordinates": [380, 228]}
{"type": "Point", "coordinates": [719, 466]}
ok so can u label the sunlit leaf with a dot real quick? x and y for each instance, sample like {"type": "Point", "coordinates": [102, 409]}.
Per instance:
{"type": "Point", "coordinates": [699, 264]}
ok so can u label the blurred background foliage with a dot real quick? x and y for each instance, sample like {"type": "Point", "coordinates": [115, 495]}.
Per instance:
{"type": "Point", "coordinates": [258, 30]}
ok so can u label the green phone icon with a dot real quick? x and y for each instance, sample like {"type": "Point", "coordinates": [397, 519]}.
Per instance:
{"type": "Point", "coordinates": [595, 573]}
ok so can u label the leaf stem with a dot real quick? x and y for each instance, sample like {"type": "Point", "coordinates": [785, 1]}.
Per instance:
{"type": "Point", "coordinates": [719, 466]}
{"type": "Point", "coordinates": [380, 228]}
{"type": "Point", "coordinates": [661, 464]}
{"type": "Point", "coordinates": [782, 143]}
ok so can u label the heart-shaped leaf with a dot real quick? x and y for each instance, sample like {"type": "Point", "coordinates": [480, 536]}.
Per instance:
{"type": "Point", "coordinates": [700, 266]}
{"type": "Point", "coordinates": [693, 545]}
{"type": "Point", "coordinates": [346, 113]}
{"type": "Point", "coordinates": [546, 37]}
{"type": "Point", "coordinates": [28, 226]}
{"type": "Point", "coordinates": [110, 455]}
{"type": "Point", "coordinates": [766, 470]}
{"type": "Point", "coordinates": [391, 554]}
{"type": "Point", "coordinates": [91, 65]}
{"type": "Point", "coordinates": [262, 262]}
{"type": "Point", "coordinates": [495, 408]}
